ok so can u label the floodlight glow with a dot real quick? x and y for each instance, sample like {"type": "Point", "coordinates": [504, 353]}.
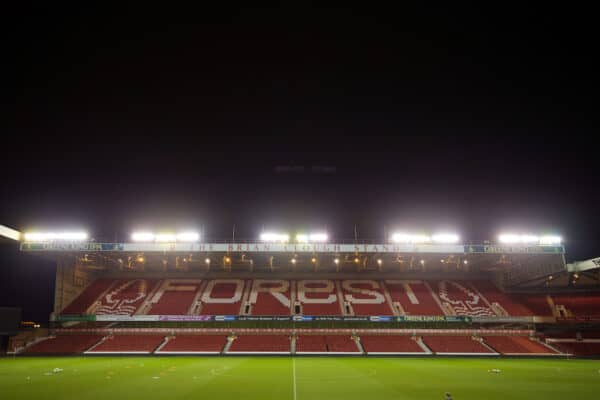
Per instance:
{"type": "Point", "coordinates": [9, 233]}
{"type": "Point", "coordinates": [318, 237]}
{"type": "Point", "coordinates": [409, 238]}
{"type": "Point", "coordinates": [142, 237]}
{"type": "Point", "coordinates": [302, 238]}
{"type": "Point", "coordinates": [165, 238]}
{"type": "Point", "coordinates": [59, 236]}
{"type": "Point", "coordinates": [207, 261]}
{"type": "Point", "coordinates": [530, 239]}
{"type": "Point", "coordinates": [445, 238]}
{"type": "Point", "coordinates": [189, 236]}
{"type": "Point", "coordinates": [312, 238]}
{"type": "Point", "coordinates": [512, 238]}
{"type": "Point", "coordinates": [550, 240]}
{"type": "Point", "coordinates": [275, 237]}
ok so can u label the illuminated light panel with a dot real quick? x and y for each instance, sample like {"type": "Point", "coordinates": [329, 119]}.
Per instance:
{"type": "Point", "coordinates": [58, 236]}
{"type": "Point", "coordinates": [275, 237]}
{"type": "Point", "coordinates": [142, 236]}
{"type": "Point", "coordinates": [188, 236]}
{"type": "Point", "coordinates": [409, 238]}
{"type": "Point", "coordinates": [318, 237]}
{"type": "Point", "coordinates": [511, 238]}
{"type": "Point", "coordinates": [445, 238]}
{"type": "Point", "coordinates": [9, 233]}
{"type": "Point", "coordinates": [550, 240]}
{"type": "Point", "coordinates": [165, 238]}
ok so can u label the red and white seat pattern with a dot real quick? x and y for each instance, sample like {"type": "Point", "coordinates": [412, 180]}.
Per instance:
{"type": "Point", "coordinates": [320, 297]}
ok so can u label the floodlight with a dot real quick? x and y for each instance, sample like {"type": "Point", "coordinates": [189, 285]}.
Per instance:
{"type": "Point", "coordinates": [275, 237]}
{"type": "Point", "coordinates": [445, 238]}
{"type": "Point", "coordinates": [336, 260]}
{"type": "Point", "coordinates": [188, 236]}
{"type": "Point", "coordinates": [312, 237]}
{"type": "Point", "coordinates": [302, 238]}
{"type": "Point", "coordinates": [142, 236]}
{"type": "Point", "coordinates": [207, 261]}
{"type": "Point", "coordinates": [165, 238]}
{"type": "Point", "coordinates": [9, 233]}
{"type": "Point", "coordinates": [293, 261]}
{"type": "Point", "coordinates": [550, 240]}
{"type": "Point", "coordinates": [58, 236]}
{"type": "Point", "coordinates": [400, 237]}
{"type": "Point", "coordinates": [318, 237]}
{"type": "Point", "coordinates": [512, 238]}
{"type": "Point", "coordinates": [379, 261]}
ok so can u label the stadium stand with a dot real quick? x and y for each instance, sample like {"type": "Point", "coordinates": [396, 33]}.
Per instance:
{"type": "Point", "coordinates": [577, 306]}
{"type": "Point", "coordinates": [382, 344]}
{"type": "Point", "coordinates": [190, 344]}
{"type": "Point", "coordinates": [66, 344]}
{"type": "Point", "coordinates": [261, 344]}
{"type": "Point", "coordinates": [512, 345]}
{"type": "Point", "coordinates": [413, 297]}
{"type": "Point", "coordinates": [340, 344]}
{"type": "Point", "coordinates": [578, 348]}
{"type": "Point", "coordinates": [311, 344]}
{"type": "Point", "coordinates": [455, 345]}
{"type": "Point", "coordinates": [478, 298]}
{"type": "Point", "coordinates": [222, 297]}
{"type": "Point", "coordinates": [91, 293]}
{"type": "Point", "coordinates": [365, 297]}
{"type": "Point", "coordinates": [318, 297]}
{"type": "Point", "coordinates": [128, 344]}
{"type": "Point", "coordinates": [537, 304]}
{"type": "Point", "coordinates": [325, 344]}
{"type": "Point", "coordinates": [124, 297]}
{"type": "Point", "coordinates": [270, 297]}
{"type": "Point", "coordinates": [458, 298]}
{"type": "Point", "coordinates": [174, 297]}
{"type": "Point", "coordinates": [501, 303]}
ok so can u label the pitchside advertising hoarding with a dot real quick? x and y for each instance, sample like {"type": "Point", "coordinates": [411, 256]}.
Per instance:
{"type": "Point", "coordinates": [227, 318]}
{"type": "Point", "coordinates": [289, 248]}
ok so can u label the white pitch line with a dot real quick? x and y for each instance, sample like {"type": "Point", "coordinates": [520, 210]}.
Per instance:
{"type": "Point", "coordinates": [294, 374]}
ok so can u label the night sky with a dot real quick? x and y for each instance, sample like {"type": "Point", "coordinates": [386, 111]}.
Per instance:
{"type": "Point", "coordinates": [471, 120]}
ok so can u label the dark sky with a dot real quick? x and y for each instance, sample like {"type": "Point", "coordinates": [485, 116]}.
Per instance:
{"type": "Point", "coordinates": [476, 120]}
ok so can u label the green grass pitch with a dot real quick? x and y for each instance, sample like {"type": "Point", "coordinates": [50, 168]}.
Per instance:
{"type": "Point", "coordinates": [300, 378]}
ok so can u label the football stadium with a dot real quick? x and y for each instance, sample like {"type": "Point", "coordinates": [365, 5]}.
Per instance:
{"type": "Point", "coordinates": [300, 316]}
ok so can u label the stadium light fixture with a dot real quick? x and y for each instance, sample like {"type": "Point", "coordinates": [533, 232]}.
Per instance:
{"type": "Point", "coordinates": [9, 233]}
{"type": "Point", "coordinates": [336, 261]}
{"type": "Point", "coordinates": [207, 261]}
{"type": "Point", "coordinates": [445, 238]}
{"type": "Point", "coordinates": [165, 238]}
{"type": "Point", "coordinates": [275, 237]}
{"type": "Point", "coordinates": [188, 236]}
{"type": "Point", "coordinates": [65, 236]}
{"type": "Point", "coordinates": [318, 237]}
{"type": "Point", "coordinates": [511, 238]}
{"type": "Point", "coordinates": [142, 236]}
{"type": "Point", "coordinates": [550, 240]}
{"type": "Point", "coordinates": [400, 237]}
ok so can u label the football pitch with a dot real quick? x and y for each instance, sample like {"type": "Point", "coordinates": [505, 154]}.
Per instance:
{"type": "Point", "coordinates": [300, 378]}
